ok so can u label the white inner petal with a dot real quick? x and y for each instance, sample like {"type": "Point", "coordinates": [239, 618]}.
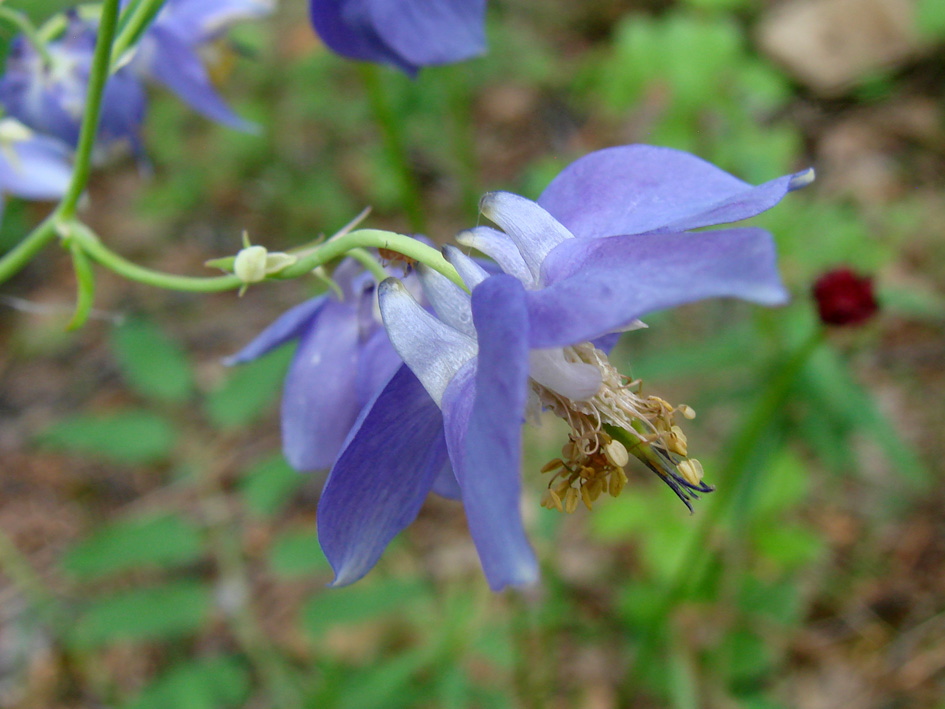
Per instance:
{"type": "Point", "coordinates": [434, 351]}
{"type": "Point", "coordinates": [577, 381]}
{"type": "Point", "coordinates": [471, 272]}
{"type": "Point", "coordinates": [534, 231]}
{"type": "Point", "coordinates": [450, 302]}
{"type": "Point", "coordinates": [501, 249]}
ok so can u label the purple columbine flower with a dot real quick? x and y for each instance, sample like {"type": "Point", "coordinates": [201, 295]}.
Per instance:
{"type": "Point", "coordinates": [408, 34]}
{"type": "Point", "coordinates": [344, 357]}
{"type": "Point", "coordinates": [605, 245]}
{"type": "Point", "coordinates": [32, 166]}
{"type": "Point", "coordinates": [170, 51]}
{"type": "Point", "coordinates": [50, 97]}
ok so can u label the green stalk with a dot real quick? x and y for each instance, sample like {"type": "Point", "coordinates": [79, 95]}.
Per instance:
{"type": "Point", "coordinates": [141, 16]}
{"type": "Point", "coordinates": [373, 238]}
{"type": "Point", "coordinates": [22, 23]}
{"type": "Point", "coordinates": [16, 258]}
{"type": "Point", "coordinates": [370, 264]}
{"type": "Point", "coordinates": [101, 61]}
{"type": "Point", "coordinates": [81, 235]}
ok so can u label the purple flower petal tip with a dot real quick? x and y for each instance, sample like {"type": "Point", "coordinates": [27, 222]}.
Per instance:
{"type": "Point", "coordinates": [408, 34]}
{"type": "Point", "coordinates": [801, 179]}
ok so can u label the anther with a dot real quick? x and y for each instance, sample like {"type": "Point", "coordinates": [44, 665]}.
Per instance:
{"type": "Point", "coordinates": [691, 471]}
{"type": "Point", "coordinates": [570, 500]}
{"type": "Point", "coordinates": [616, 454]}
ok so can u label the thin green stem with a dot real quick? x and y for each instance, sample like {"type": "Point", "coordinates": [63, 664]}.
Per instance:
{"type": "Point", "coordinates": [374, 238]}
{"type": "Point", "coordinates": [80, 234]}
{"type": "Point", "coordinates": [23, 23]}
{"type": "Point", "coordinates": [16, 258]}
{"type": "Point", "coordinates": [93, 106]}
{"type": "Point", "coordinates": [395, 143]}
{"type": "Point", "coordinates": [142, 14]}
{"type": "Point", "coordinates": [370, 263]}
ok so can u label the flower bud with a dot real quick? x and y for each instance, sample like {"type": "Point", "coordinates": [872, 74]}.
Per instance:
{"type": "Point", "coordinates": [250, 264]}
{"type": "Point", "coordinates": [844, 298]}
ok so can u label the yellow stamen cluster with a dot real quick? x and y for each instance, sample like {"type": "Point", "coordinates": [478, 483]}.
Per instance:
{"type": "Point", "coordinates": [582, 474]}
{"type": "Point", "coordinates": [592, 461]}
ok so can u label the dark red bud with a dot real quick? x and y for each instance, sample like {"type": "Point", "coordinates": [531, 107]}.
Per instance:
{"type": "Point", "coordinates": [844, 298]}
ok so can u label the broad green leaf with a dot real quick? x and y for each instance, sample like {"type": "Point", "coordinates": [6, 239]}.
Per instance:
{"type": "Point", "coordinates": [153, 364]}
{"type": "Point", "coordinates": [127, 436]}
{"type": "Point", "coordinates": [249, 390]}
{"type": "Point", "coordinates": [354, 604]}
{"type": "Point", "coordinates": [161, 612]}
{"type": "Point", "coordinates": [204, 683]}
{"type": "Point", "coordinates": [268, 485]}
{"type": "Point", "coordinates": [297, 553]}
{"type": "Point", "coordinates": [163, 541]}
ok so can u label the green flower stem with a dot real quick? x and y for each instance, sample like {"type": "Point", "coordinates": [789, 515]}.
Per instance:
{"type": "Point", "coordinates": [23, 24]}
{"type": "Point", "coordinates": [731, 474]}
{"type": "Point", "coordinates": [394, 142]}
{"type": "Point", "coordinates": [370, 263]}
{"type": "Point", "coordinates": [142, 14]}
{"type": "Point", "coordinates": [21, 254]}
{"type": "Point", "coordinates": [373, 238]}
{"type": "Point", "coordinates": [79, 234]}
{"type": "Point", "coordinates": [85, 287]}
{"type": "Point", "coordinates": [93, 108]}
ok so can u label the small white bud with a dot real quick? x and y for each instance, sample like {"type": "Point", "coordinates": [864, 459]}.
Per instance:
{"type": "Point", "coordinates": [250, 264]}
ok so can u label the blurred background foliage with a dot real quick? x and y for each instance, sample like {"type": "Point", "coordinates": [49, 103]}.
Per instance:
{"type": "Point", "coordinates": [156, 551]}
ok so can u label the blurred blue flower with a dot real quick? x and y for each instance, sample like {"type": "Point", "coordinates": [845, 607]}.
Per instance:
{"type": "Point", "coordinates": [50, 98]}
{"type": "Point", "coordinates": [170, 51]}
{"type": "Point", "coordinates": [604, 246]}
{"type": "Point", "coordinates": [408, 34]}
{"type": "Point", "coordinates": [32, 166]}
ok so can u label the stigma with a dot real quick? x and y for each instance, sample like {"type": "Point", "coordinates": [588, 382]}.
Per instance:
{"type": "Point", "coordinates": [609, 426]}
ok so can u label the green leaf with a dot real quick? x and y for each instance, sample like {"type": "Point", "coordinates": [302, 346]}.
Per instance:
{"type": "Point", "coordinates": [161, 612]}
{"type": "Point", "coordinates": [269, 484]}
{"type": "Point", "coordinates": [930, 18]}
{"type": "Point", "coordinates": [827, 380]}
{"type": "Point", "coordinates": [130, 436]}
{"type": "Point", "coordinates": [746, 657]}
{"type": "Point", "coordinates": [389, 684]}
{"type": "Point", "coordinates": [789, 545]}
{"type": "Point", "coordinates": [783, 484]}
{"type": "Point", "coordinates": [205, 683]}
{"type": "Point", "coordinates": [249, 391]}
{"type": "Point", "coordinates": [297, 553]}
{"type": "Point", "coordinates": [354, 604]}
{"type": "Point", "coordinates": [162, 541]}
{"type": "Point", "coordinates": [153, 364]}
{"type": "Point", "coordinates": [780, 600]}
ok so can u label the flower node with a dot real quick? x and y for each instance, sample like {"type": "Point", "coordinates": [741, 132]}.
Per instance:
{"type": "Point", "coordinates": [592, 461]}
